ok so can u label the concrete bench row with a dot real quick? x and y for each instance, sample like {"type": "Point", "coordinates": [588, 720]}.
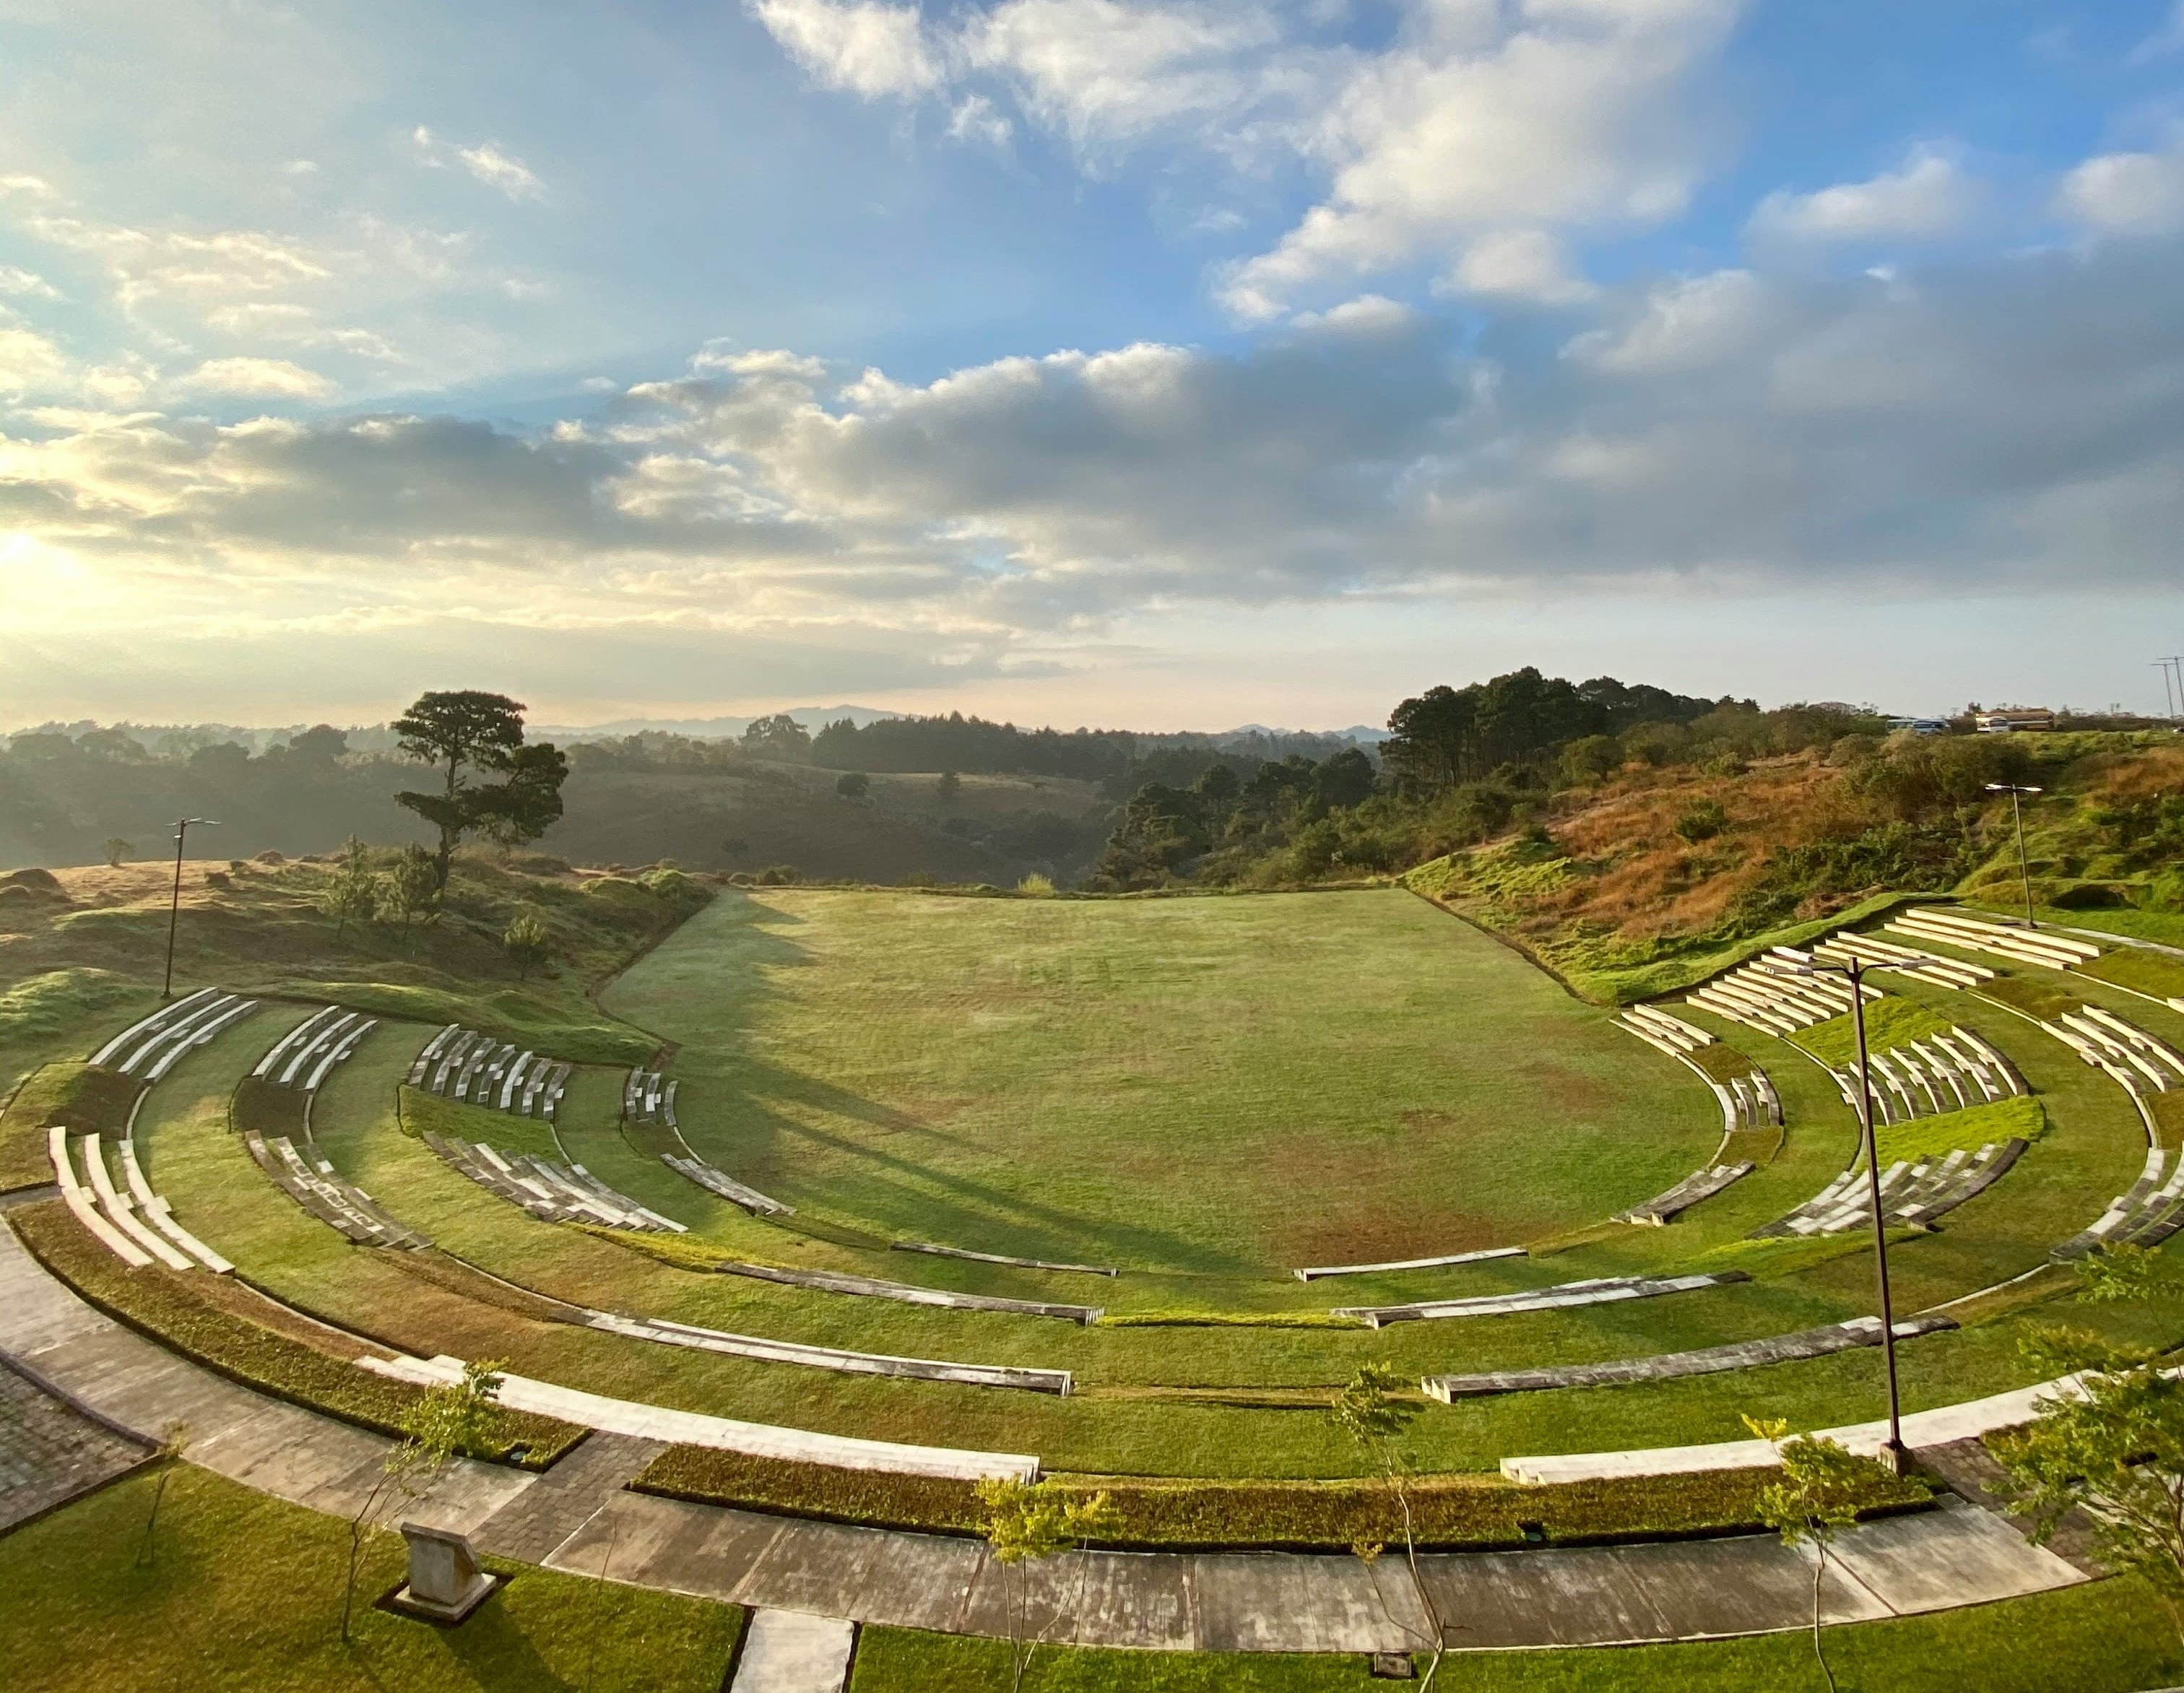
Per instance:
{"type": "Point", "coordinates": [694, 1428]}
{"type": "Point", "coordinates": [314, 1184]}
{"type": "Point", "coordinates": [137, 1225]}
{"type": "Point", "coordinates": [2123, 1049]}
{"type": "Point", "coordinates": [665, 1332]}
{"type": "Point", "coordinates": [1484, 1255]}
{"type": "Point", "coordinates": [1747, 1102]}
{"type": "Point", "coordinates": [649, 1097]}
{"type": "Point", "coordinates": [554, 1193]}
{"type": "Point", "coordinates": [475, 1069]}
{"type": "Point", "coordinates": [1599, 1290]}
{"type": "Point", "coordinates": [152, 1047]}
{"type": "Point", "coordinates": [1911, 1193]}
{"type": "Point", "coordinates": [906, 1292]}
{"type": "Point", "coordinates": [1738, 1355]}
{"type": "Point", "coordinates": [306, 1056]}
{"type": "Point", "coordinates": [725, 1186]}
{"type": "Point", "coordinates": [2018, 945]}
{"type": "Point", "coordinates": [1931, 1075]}
{"type": "Point", "coordinates": [1701, 1184]}
{"type": "Point", "coordinates": [1847, 946]}
{"type": "Point", "coordinates": [1013, 1263]}
{"type": "Point", "coordinates": [2145, 1214]}
{"type": "Point", "coordinates": [1760, 999]}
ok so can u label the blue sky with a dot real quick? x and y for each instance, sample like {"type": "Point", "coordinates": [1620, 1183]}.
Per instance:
{"type": "Point", "coordinates": [1085, 360]}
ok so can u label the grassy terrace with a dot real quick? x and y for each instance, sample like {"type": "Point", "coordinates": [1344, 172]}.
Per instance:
{"type": "Point", "coordinates": [1157, 1400]}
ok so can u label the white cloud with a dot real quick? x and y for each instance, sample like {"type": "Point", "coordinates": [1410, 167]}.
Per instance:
{"type": "Point", "coordinates": [976, 119]}
{"type": "Point", "coordinates": [30, 363]}
{"type": "Point", "coordinates": [248, 378]}
{"type": "Point", "coordinates": [1684, 325]}
{"type": "Point", "coordinates": [26, 284]}
{"type": "Point", "coordinates": [1519, 263]}
{"type": "Point", "coordinates": [2127, 193]}
{"type": "Point", "coordinates": [1930, 197]}
{"type": "Point", "coordinates": [502, 171]}
{"type": "Point", "coordinates": [866, 48]}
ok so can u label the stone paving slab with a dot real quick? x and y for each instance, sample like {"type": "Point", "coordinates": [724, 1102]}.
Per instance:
{"type": "Point", "coordinates": [539, 1519]}
{"type": "Point", "coordinates": [785, 1652]}
{"type": "Point", "coordinates": [1927, 1563]}
{"type": "Point", "coordinates": [49, 1452]}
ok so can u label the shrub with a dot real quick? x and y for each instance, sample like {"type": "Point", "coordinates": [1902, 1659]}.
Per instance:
{"type": "Point", "coordinates": [1701, 822]}
{"type": "Point", "coordinates": [853, 784]}
{"type": "Point", "coordinates": [778, 875]}
{"type": "Point", "coordinates": [1036, 886]}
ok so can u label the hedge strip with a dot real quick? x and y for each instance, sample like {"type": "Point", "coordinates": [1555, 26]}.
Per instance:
{"type": "Point", "coordinates": [1452, 1512]}
{"type": "Point", "coordinates": [162, 1305]}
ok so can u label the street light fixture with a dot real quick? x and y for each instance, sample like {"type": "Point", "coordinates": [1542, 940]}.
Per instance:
{"type": "Point", "coordinates": [174, 910]}
{"type": "Point", "coordinates": [1891, 1454]}
{"type": "Point", "coordinates": [2023, 868]}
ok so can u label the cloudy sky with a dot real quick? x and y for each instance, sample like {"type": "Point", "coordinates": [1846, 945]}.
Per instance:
{"type": "Point", "coordinates": [1166, 362]}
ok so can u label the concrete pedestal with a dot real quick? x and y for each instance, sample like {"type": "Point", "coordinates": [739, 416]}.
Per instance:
{"type": "Point", "coordinates": [445, 1583]}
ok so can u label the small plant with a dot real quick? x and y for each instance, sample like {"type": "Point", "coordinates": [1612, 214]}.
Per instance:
{"type": "Point", "coordinates": [527, 943]}
{"type": "Point", "coordinates": [853, 785]}
{"type": "Point", "coordinates": [174, 1441]}
{"type": "Point", "coordinates": [1027, 1521]}
{"type": "Point", "coordinates": [118, 852]}
{"type": "Point", "coordinates": [947, 788]}
{"type": "Point", "coordinates": [353, 894]}
{"type": "Point", "coordinates": [411, 887]}
{"type": "Point", "coordinates": [1037, 887]}
{"type": "Point", "coordinates": [1823, 1485]}
{"type": "Point", "coordinates": [1701, 823]}
{"type": "Point", "coordinates": [445, 1422]}
{"type": "Point", "coordinates": [777, 876]}
{"type": "Point", "coordinates": [1368, 1411]}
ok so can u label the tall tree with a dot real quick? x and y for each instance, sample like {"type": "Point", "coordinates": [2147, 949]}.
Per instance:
{"type": "Point", "coordinates": [491, 782]}
{"type": "Point", "coordinates": [780, 735]}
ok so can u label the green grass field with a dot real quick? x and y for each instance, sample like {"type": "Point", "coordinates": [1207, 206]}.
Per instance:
{"type": "Point", "coordinates": [1219, 1085]}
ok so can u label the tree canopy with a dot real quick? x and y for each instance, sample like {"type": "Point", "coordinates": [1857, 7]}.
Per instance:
{"type": "Point", "coordinates": [493, 784]}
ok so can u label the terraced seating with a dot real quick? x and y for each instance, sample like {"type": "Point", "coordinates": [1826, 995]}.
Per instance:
{"type": "Point", "coordinates": [460, 1064]}
{"type": "Point", "coordinates": [2145, 1214]}
{"type": "Point", "coordinates": [649, 1097]}
{"type": "Point", "coordinates": [2018, 945]}
{"type": "Point", "coordinates": [1016, 1263]}
{"type": "Point", "coordinates": [1910, 1193]}
{"type": "Point", "coordinates": [314, 1184]}
{"type": "Point", "coordinates": [1478, 1257]}
{"type": "Point", "coordinates": [1775, 1004]}
{"type": "Point", "coordinates": [725, 1186]}
{"type": "Point", "coordinates": [152, 1047]}
{"type": "Point", "coordinates": [1932, 1075]}
{"type": "Point", "coordinates": [659, 1329]}
{"type": "Point", "coordinates": [554, 1193]}
{"type": "Point", "coordinates": [83, 1204]}
{"type": "Point", "coordinates": [306, 1056]}
{"type": "Point", "coordinates": [1739, 1354]}
{"type": "Point", "coordinates": [1745, 1102]}
{"type": "Point", "coordinates": [869, 1287]}
{"type": "Point", "coordinates": [160, 1214]}
{"type": "Point", "coordinates": [1849, 947]}
{"type": "Point", "coordinates": [694, 1428]}
{"type": "Point", "coordinates": [1601, 1291]}
{"type": "Point", "coordinates": [2126, 1051]}
{"type": "Point", "coordinates": [1701, 1184]}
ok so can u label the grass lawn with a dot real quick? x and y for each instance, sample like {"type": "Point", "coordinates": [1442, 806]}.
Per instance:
{"type": "Point", "coordinates": [1222, 1085]}
{"type": "Point", "coordinates": [245, 1592]}
{"type": "Point", "coordinates": [2109, 1637]}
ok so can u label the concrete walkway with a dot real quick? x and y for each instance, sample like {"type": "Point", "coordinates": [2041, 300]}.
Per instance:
{"type": "Point", "coordinates": [577, 1518]}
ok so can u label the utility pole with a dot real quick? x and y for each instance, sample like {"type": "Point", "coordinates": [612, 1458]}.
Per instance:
{"type": "Point", "coordinates": [2172, 684]}
{"type": "Point", "coordinates": [2024, 867]}
{"type": "Point", "coordinates": [174, 910]}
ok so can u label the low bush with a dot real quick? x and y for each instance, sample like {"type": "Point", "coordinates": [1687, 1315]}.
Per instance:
{"type": "Point", "coordinates": [86, 1100]}
{"type": "Point", "coordinates": [1177, 1513]}
{"type": "Point", "coordinates": [164, 1305]}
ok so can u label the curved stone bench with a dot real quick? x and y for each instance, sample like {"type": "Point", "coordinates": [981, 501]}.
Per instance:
{"type": "Point", "coordinates": [661, 1330]}
{"type": "Point", "coordinates": [721, 1185]}
{"type": "Point", "coordinates": [1914, 1194]}
{"type": "Point", "coordinates": [694, 1429]}
{"type": "Point", "coordinates": [1602, 1290]}
{"type": "Point", "coordinates": [869, 1287]}
{"type": "Point", "coordinates": [1705, 1361]}
{"type": "Point", "coordinates": [1702, 1184]}
{"type": "Point", "coordinates": [1479, 1257]}
{"type": "Point", "coordinates": [996, 1258]}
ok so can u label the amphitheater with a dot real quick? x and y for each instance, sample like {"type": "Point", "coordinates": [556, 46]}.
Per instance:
{"type": "Point", "coordinates": [918, 1192]}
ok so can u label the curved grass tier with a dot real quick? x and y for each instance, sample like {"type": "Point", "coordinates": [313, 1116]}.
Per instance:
{"type": "Point", "coordinates": [1204, 1092]}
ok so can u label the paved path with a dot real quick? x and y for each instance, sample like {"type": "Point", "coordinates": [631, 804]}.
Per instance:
{"type": "Point", "coordinates": [49, 1453]}
{"type": "Point", "coordinates": [583, 1521]}
{"type": "Point", "coordinates": [785, 1652]}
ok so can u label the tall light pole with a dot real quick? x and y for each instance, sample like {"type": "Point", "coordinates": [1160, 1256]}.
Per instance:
{"type": "Point", "coordinates": [2024, 867]}
{"type": "Point", "coordinates": [1891, 1453]}
{"type": "Point", "coordinates": [174, 910]}
{"type": "Point", "coordinates": [2172, 671]}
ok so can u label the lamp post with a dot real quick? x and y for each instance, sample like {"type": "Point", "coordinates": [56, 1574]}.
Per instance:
{"type": "Point", "coordinates": [1891, 1454]}
{"type": "Point", "coordinates": [174, 910]}
{"type": "Point", "coordinates": [2016, 811]}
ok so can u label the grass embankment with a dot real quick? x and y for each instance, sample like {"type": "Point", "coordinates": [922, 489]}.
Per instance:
{"type": "Point", "coordinates": [1930, 1137]}
{"type": "Point", "coordinates": [2105, 1637]}
{"type": "Point", "coordinates": [2149, 973]}
{"type": "Point", "coordinates": [217, 1323]}
{"type": "Point", "coordinates": [1176, 1513]}
{"type": "Point", "coordinates": [244, 1591]}
{"type": "Point", "coordinates": [1154, 1084]}
{"type": "Point", "coordinates": [83, 1100]}
{"type": "Point", "coordinates": [1889, 1021]}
